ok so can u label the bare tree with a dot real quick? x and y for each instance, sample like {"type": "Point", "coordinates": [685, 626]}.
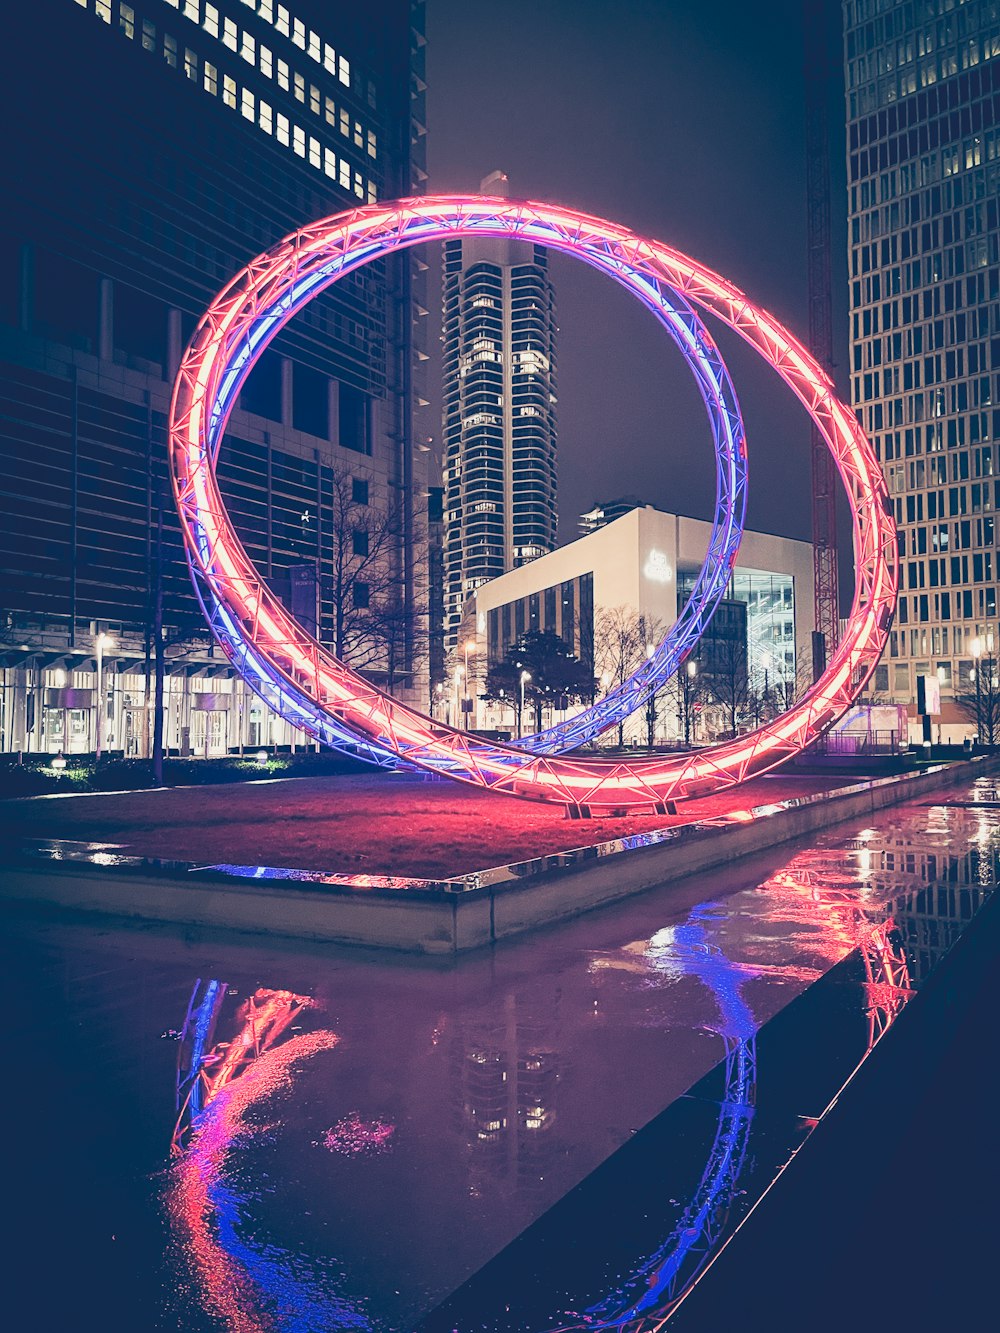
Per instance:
{"type": "Point", "coordinates": [687, 694]}
{"type": "Point", "coordinates": [375, 626]}
{"type": "Point", "coordinates": [980, 702]}
{"type": "Point", "coordinates": [728, 679]}
{"type": "Point", "coordinates": [623, 641]}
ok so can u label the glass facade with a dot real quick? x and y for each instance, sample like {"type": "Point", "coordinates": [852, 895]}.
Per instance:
{"type": "Point", "coordinates": [181, 139]}
{"type": "Point", "coordinates": [923, 106]}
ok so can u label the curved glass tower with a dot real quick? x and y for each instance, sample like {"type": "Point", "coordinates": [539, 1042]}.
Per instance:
{"type": "Point", "coordinates": [499, 417]}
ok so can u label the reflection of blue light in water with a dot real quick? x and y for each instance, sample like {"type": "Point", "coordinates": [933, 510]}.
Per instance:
{"type": "Point", "coordinates": [655, 1283]}
{"type": "Point", "coordinates": [301, 1304]}
{"type": "Point", "coordinates": [204, 1019]}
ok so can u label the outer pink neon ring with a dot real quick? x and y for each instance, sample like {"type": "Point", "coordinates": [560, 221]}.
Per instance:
{"type": "Point", "coordinates": [262, 295]}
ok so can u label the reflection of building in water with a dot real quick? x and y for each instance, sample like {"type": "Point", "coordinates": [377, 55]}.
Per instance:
{"type": "Point", "coordinates": [506, 1072]}
{"type": "Point", "coordinates": [932, 891]}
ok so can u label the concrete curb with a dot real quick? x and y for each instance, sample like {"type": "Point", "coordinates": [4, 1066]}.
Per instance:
{"type": "Point", "coordinates": [441, 917]}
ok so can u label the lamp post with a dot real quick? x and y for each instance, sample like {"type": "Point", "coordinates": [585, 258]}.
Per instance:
{"type": "Point", "coordinates": [650, 703]}
{"type": "Point", "coordinates": [101, 640]}
{"type": "Point", "coordinates": [469, 647]}
{"type": "Point", "coordinates": [525, 677]}
{"type": "Point", "coordinates": [457, 694]}
{"type": "Point", "coordinates": [690, 671]}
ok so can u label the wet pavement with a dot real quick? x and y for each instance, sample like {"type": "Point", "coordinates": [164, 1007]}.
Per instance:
{"type": "Point", "coordinates": [213, 1134]}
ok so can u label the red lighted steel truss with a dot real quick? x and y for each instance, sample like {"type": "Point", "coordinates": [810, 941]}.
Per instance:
{"type": "Point", "coordinates": [327, 698]}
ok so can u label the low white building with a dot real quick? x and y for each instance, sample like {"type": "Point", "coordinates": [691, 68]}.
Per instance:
{"type": "Point", "coordinates": [647, 561]}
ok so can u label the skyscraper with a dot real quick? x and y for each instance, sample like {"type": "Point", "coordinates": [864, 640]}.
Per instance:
{"type": "Point", "coordinates": [163, 144]}
{"type": "Point", "coordinates": [499, 426]}
{"type": "Point", "coordinates": [923, 112]}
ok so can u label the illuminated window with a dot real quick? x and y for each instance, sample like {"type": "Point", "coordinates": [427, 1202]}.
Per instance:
{"type": "Point", "coordinates": [265, 117]}
{"type": "Point", "coordinates": [282, 134]}
{"type": "Point", "coordinates": [345, 124]}
{"type": "Point", "coordinates": [299, 33]}
{"type": "Point", "coordinates": [190, 64]}
{"type": "Point", "coordinates": [315, 46]}
{"type": "Point", "coordinates": [229, 90]}
{"type": "Point", "coordinates": [344, 72]}
{"type": "Point", "coordinates": [175, 4]}
{"type": "Point", "coordinates": [211, 79]}
{"type": "Point", "coordinates": [329, 58]}
{"type": "Point", "coordinates": [211, 21]}
{"type": "Point", "coordinates": [247, 105]}
{"type": "Point", "coordinates": [191, 10]}
{"type": "Point", "coordinates": [330, 111]}
{"type": "Point", "coordinates": [357, 134]}
{"type": "Point", "coordinates": [371, 143]}
{"type": "Point", "coordinates": [298, 140]}
{"type": "Point", "coordinates": [283, 75]}
{"type": "Point", "coordinates": [300, 88]}
{"type": "Point", "coordinates": [372, 192]}
{"type": "Point", "coordinates": [170, 51]}
{"type": "Point", "coordinates": [266, 8]}
{"type": "Point", "coordinates": [314, 99]}
{"type": "Point", "coordinates": [283, 20]}
{"type": "Point", "coordinates": [266, 62]}
{"type": "Point", "coordinates": [126, 20]}
{"type": "Point", "coordinates": [103, 10]}
{"type": "Point", "coordinates": [344, 177]}
{"type": "Point", "coordinates": [359, 185]}
{"type": "Point", "coordinates": [329, 164]}
{"type": "Point", "coordinates": [315, 153]}
{"type": "Point", "coordinates": [229, 34]}
{"type": "Point", "coordinates": [248, 49]}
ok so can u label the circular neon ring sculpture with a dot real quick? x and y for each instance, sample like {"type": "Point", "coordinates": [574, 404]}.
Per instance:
{"type": "Point", "coordinates": [281, 660]}
{"type": "Point", "coordinates": [676, 315]}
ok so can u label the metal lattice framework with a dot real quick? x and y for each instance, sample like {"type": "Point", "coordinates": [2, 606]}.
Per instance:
{"type": "Point", "coordinates": [331, 702]}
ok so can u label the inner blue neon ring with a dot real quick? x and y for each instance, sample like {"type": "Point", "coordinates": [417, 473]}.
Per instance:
{"type": "Point", "coordinates": [682, 323]}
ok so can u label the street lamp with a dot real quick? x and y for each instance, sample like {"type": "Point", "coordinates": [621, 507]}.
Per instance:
{"type": "Point", "coordinates": [691, 670]}
{"type": "Point", "coordinates": [457, 694]}
{"type": "Point", "coordinates": [470, 647]}
{"type": "Point", "coordinates": [650, 703]}
{"type": "Point", "coordinates": [102, 641]}
{"type": "Point", "coordinates": [525, 677]}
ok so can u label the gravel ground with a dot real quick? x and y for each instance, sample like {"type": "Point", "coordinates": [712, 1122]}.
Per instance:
{"type": "Point", "coordinates": [379, 824]}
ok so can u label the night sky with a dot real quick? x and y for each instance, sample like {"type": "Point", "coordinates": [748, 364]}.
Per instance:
{"type": "Point", "coordinates": [684, 121]}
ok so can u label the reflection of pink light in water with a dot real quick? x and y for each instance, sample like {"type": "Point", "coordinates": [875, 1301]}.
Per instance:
{"type": "Point", "coordinates": [354, 1137]}
{"type": "Point", "coordinates": [198, 1176]}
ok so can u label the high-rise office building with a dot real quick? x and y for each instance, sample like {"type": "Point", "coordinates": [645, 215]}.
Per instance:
{"type": "Point", "coordinates": [923, 114]}
{"type": "Point", "coordinates": [161, 145]}
{"type": "Point", "coordinates": [499, 427]}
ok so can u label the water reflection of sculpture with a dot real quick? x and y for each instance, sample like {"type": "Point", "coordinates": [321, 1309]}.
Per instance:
{"type": "Point", "coordinates": [252, 1288]}
{"type": "Point", "coordinates": [658, 1283]}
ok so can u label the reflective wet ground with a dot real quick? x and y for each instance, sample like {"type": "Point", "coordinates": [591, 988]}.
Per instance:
{"type": "Point", "coordinates": [314, 1139]}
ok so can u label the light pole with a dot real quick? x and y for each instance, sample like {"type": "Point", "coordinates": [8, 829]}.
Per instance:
{"type": "Point", "coordinates": [457, 694]}
{"type": "Point", "coordinates": [691, 670]}
{"type": "Point", "coordinates": [525, 677]}
{"type": "Point", "coordinates": [977, 649]}
{"type": "Point", "coordinates": [470, 646]}
{"type": "Point", "coordinates": [100, 642]}
{"type": "Point", "coordinates": [650, 703]}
